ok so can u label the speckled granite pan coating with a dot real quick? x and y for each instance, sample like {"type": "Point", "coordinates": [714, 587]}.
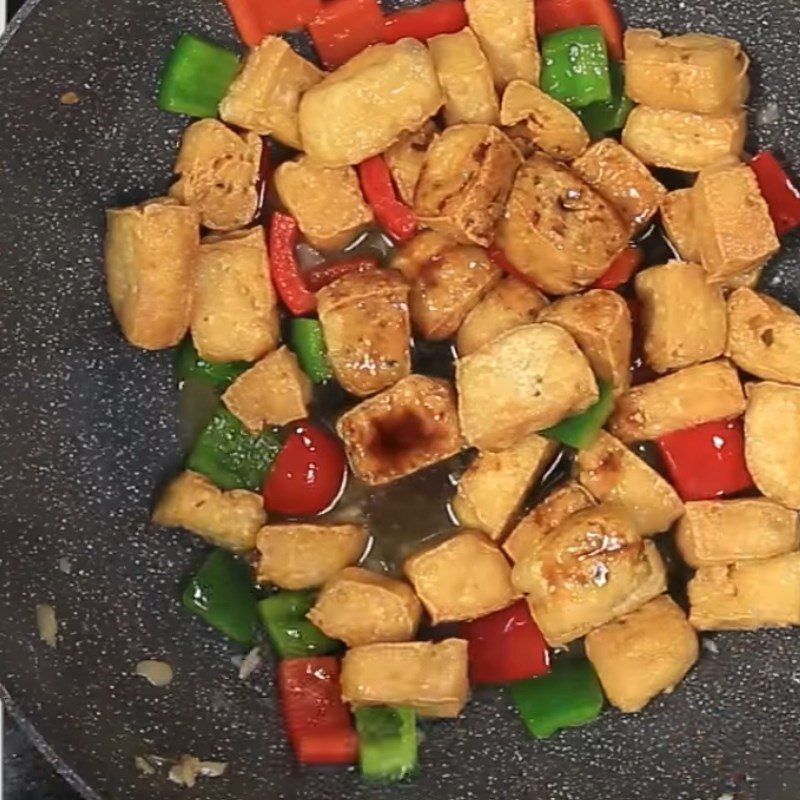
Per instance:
{"type": "Point", "coordinates": [88, 429]}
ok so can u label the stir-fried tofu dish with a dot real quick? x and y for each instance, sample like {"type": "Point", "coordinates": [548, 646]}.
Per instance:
{"type": "Point", "coordinates": [478, 373]}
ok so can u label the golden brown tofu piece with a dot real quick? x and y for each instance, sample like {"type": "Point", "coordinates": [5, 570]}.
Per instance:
{"type": "Point", "coordinates": [463, 577]}
{"type": "Point", "coordinates": [688, 397]}
{"type": "Point", "coordinates": [735, 232]}
{"type": "Point", "coordinates": [431, 677]}
{"type": "Point", "coordinates": [534, 120]}
{"type": "Point", "coordinates": [150, 257]}
{"type": "Point", "coordinates": [465, 182]}
{"type": "Point", "coordinates": [684, 317]}
{"type": "Point", "coordinates": [492, 489]}
{"type": "Point", "coordinates": [367, 328]}
{"type": "Point", "coordinates": [724, 531]}
{"type": "Point", "coordinates": [298, 556]}
{"type": "Point", "coordinates": [677, 217]}
{"type": "Point", "coordinates": [361, 607]}
{"type": "Point", "coordinates": [642, 654]}
{"type": "Point", "coordinates": [364, 106]}
{"type": "Point", "coordinates": [748, 594]}
{"type": "Point", "coordinates": [682, 140]}
{"type": "Point", "coordinates": [402, 430]}
{"type": "Point", "coordinates": [772, 440]}
{"type": "Point", "coordinates": [226, 519]}
{"type": "Point", "coordinates": [600, 322]}
{"type": "Point", "coordinates": [406, 157]}
{"type": "Point", "coordinates": [592, 568]}
{"type": "Point", "coordinates": [611, 472]}
{"type": "Point", "coordinates": [235, 310]}
{"type": "Point", "coordinates": [557, 231]}
{"type": "Point", "coordinates": [274, 391]}
{"type": "Point", "coordinates": [265, 95]}
{"type": "Point", "coordinates": [524, 381]}
{"type": "Point", "coordinates": [447, 280]}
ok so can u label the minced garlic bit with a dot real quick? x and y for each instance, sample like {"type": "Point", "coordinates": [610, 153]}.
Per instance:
{"type": "Point", "coordinates": [143, 765]}
{"type": "Point", "coordinates": [69, 98]}
{"type": "Point", "coordinates": [159, 673]}
{"type": "Point", "coordinates": [47, 623]}
{"type": "Point", "coordinates": [65, 565]}
{"type": "Point", "coordinates": [189, 768]}
{"type": "Point", "coordinates": [250, 663]}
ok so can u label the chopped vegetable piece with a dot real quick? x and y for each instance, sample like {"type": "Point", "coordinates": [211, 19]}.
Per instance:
{"type": "Point", "coordinates": [706, 461]}
{"type": "Point", "coordinates": [568, 697]}
{"type": "Point", "coordinates": [446, 16]}
{"type": "Point", "coordinates": [291, 635]}
{"type": "Point", "coordinates": [582, 430]}
{"type": "Point", "coordinates": [607, 116]}
{"type": "Point", "coordinates": [621, 269]}
{"type": "Point", "coordinates": [782, 196]}
{"type": "Point", "coordinates": [344, 28]}
{"type": "Point", "coordinates": [555, 15]}
{"type": "Point", "coordinates": [283, 234]}
{"type": "Point", "coordinates": [286, 605]}
{"type": "Point", "coordinates": [575, 66]}
{"type": "Point", "coordinates": [396, 218]}
{"type": "Point", "coordinates": [196, 76]}
{"type": "Point", "coordinates": [387, 742]}
{"type": "Point", "coordinates": [255, 19]}
{"type": "Point", "coordinates": [320, 277]}
{"type": "Point", "coordinates": [188, 364]}
{"type": "Point", "coordinates": [308, 343]}
{"type": "Point", "coordinates": [221, 593]}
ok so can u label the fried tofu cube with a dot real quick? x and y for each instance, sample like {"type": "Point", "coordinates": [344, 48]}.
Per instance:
{"type": "Point", "coordinates": [366, 324]}
{"type": "Point", "coordinates": [406, 157]}
{"type": "Point", "coordinates": [612, 473]}
{"type": "Point", "coordinates": [447, 280]}
{"type": "Point", "coordinates": [526, 380]}
{"type": "Point", "coordinates": [682, 140]}
{"type": "Point", "coordinates": [402, 430]}
{"type": "Point", "coordinates": [724, 531]}
{"type": "Point", "coordinates": [364, 106]}
{"type": "Point", "coordinates": [361, 607]}
{"type": "Point", "coordinates": [492, 489]}
{"type": "Point", "coordinates": [463, 577]}
{"type": "Point", "coordinates": [642, 654]}
{"type": "Point", "coordinates": [265, 95]}
{"type": "Point", "coordinates": [748, 594]}
{"type": "Point", "coordinates": [677, 217]}
{"type": "Point", "coordinates": [226, 519]}
{"type": "Point", "coordinates": [684, 317]}
{"type": "Point", "coordinates": [150, 257]}
{"type": "Point", "coordinates": [688, 397]}
{"type": "Point", "coordinates": [431, 677]}
{"type": "Point", "coordinates": [235, 310]}
{"type": "Point", "coordinates": [557, 231]}
{"type": "Point", "coordinates": [274, 391]}
{"type": "Point", "coordinates": [297, 556]}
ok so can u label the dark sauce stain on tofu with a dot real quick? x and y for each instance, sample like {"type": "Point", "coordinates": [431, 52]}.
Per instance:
{"type": "Point", "coordinates": [398, 436]}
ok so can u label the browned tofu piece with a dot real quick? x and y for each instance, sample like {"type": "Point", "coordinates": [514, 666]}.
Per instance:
{"type": "Point", "coordinates": [366, 324]}
{"type": "Point", "coordinates": [693, 72]}
{"type": "Point", "coordinates": [763, 336]}
{"type": "Point", "coordinates": [265, 95]}
{"type": "Point", "coordinates": [362, 607]}
{"type": "Point", "coordinates": [677, 217]}
{"type": "Point", "coordinates": [683, 140]}
{"type": "Point", "coordinates": [150, 257]}
{"type": "Point", "coordinates": [492, 489]}
{"type": "Point", "coordinates": [465, 181]}
{"type": "Point", "coordinates": [592, 568]}
{"type": "Point", "coordinates": [402, 430]}
{"type": "Point", "coordinates": [235, 310]}
{"type": "Point", "coordinates": [688, 397]}
{"type": "Point", "coordinates": [298, 556]}
{"type": "Point", "coordinates": [447, 280]}
{"type": "Point", "coordinates": [748, 594]}
{"type": "Point", "coordinates": [524, 381]}
{"type": "Point", "coordinates": [600, 322]}
{"type": "Point", "coordinates": [684, 317]}
{"type": "Point", "coordinates": [363, 107]}
{"type": "Point", "coordinates": [558, 231]}
{"type": "Point", "coordinates": [406, 157]}
{"type": "Point", "coordinates": [274, 391]}
{"type": "Point", "coordinates": [724, 531]}
{"type": "Point", "coordinates": [772, 440]}
{"type": "Point", "coordinates": [431, 677]}
{"type": "Point", "coordinates": [735, 232]}
{"type": "Point", "coordinates": [611, 472]}
{"type": "Point", "coordinates": [463, 577]}
{"type": "Point", "coordinates": [642, 654]}
{"type": "Point", "coordinates": [226, 519]}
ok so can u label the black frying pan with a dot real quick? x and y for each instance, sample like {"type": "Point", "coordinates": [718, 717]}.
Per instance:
{"type": "Point", "coordinates": [88, 430]}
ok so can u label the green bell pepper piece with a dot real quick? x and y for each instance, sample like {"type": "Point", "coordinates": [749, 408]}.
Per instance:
{"type": "Point", "coordinates": [196, 77]}
{"type": "Point", "coordinates": [387, 742]}
{"type": "Point", "coordinates": [291, 634]}
{"type": "Point", "coordinates": [188, 365]}
{"type": "Point", "coordinates": [575, 66]}
{"type": "Point", "coordinates": [567, 697]}
{"type": "Point", "coordinates": [608, 116]}
{"type": "Point", "coordinates": [582, 430]}
{"type": "Point", "coordinates": [308, 343]}
{"type": "Point", "coordinates": [285, 605]}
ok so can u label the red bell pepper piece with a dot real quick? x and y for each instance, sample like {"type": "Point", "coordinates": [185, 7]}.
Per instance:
{"type": "Point", "coordinates": [317, 721]}
{"type": "Point", "coordinates": [317, 278]}
{"type": "Point", "coordinates": [446, 16]}
{"type": "Point", "coordinates": [343, 28]}
{"type": "Point", "coordinates": [706, 461]}
{"type": "Point", "coordinates": [394, 216]}
{"type": "Point", "coordinates": [621, 269]}
{"type": "Point", "coordinates": [254, 19]}
{"type": "Point", "coordinates": [556, 15]}
{"type": "Point", "coordinates": [782, 196]}
{"type": "Point", "coordinates": [283, 233]}
{"type": "Point", "coordinates": [505, 646]}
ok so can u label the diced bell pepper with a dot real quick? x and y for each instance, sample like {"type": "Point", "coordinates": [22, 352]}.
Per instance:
{"type": "Point", "coordinates": [556, 15]}
{"type": "Point", "coordinates": [255, 19]}
{"type": "Point", "coordinates": [445, 16]}
{"type": "Point", "coordinates": [782, 196]}
{"type": "Point", "coordinates": [607, 116]}
{"type": "Point", "coordinates": [308, 343]}
{"type": "Point", "coordinates": [396, 218]}
{"type": "Point", "coordinates": [188, 365]}
{"type": "Point", "coordinates": [283, 235]}
{"type": "Point", "coordinates": [344, 28]}
{"type": "Point", "coordinates": [582, 430]}
{"type": "Point", "coordinates": [621, 270]}
{"type": "Point", "coordinates": [387, 742]}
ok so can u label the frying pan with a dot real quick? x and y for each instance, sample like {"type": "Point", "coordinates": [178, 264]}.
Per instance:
{"type": "Point", "coordinates": [88, 430]}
